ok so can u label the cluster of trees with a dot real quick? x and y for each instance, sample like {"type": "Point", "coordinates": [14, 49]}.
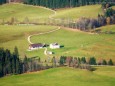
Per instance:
{"type": "Point", "coordinates": [107, 3]}
{"type": "Point", "coordinates": [86, 24]}
{"type": "Point", "coordinates": [9, 62]}
{"type": "Point", "coordinates": [89, 23]}
{"type": "Point", "coordinates": [76, 62]}
{"type": "Point", "coordinates": [109, 12]}
{"type": "Point", "coordinates": [8, 1]}
{"type": "Point", "coordinates": [3, 1]}
{"type": "Point", "coordinates": [54, 4]}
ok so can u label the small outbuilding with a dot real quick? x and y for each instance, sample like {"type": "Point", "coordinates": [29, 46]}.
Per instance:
{"type": "Point", "coordinates": [54, 46]}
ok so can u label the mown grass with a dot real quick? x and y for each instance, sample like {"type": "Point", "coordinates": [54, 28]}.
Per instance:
{"type": "Point", "coordinates": [21, 11]}
{"type": "Point", "coordinates": [80, 43]}
{"type": "Point", "coordinates": [11, 36]}
{"type": "Point", "coordinates": [63, 77]}
{"type": "Point", "coordinates": [85, 11]}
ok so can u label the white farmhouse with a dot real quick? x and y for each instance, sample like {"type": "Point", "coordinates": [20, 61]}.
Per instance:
{"type": "Point", "coordinates": [54, 46]}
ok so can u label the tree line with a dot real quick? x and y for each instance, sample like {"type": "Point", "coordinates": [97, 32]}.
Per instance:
{"type": "Point", "coordinates": [11, 63]}
{"type": "Point", "coordinates": [55, 4]}
{"type": "Point", "coordinates": [3, 1]}
{"type": "Point", "coordinates": [76, 61]}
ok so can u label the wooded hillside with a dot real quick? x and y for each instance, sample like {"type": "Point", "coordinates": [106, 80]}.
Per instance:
{"type": "Point", "coordinates": [54, 4]}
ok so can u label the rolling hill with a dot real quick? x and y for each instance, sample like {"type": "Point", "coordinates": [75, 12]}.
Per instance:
{"type": "Point", "coordinates": [15, 35]}
{"type": "Point", "coordinates": [63, 77]}
{"type": "Point", "coordinates": [21, 11]}
{"type": "Point", "coordinates": [78, 43]}
{"type": "Point", "coordinates": [85, 11]}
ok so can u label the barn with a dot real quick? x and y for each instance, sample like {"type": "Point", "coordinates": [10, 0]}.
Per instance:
{"type": "Point", "coordinates": [36, 46]}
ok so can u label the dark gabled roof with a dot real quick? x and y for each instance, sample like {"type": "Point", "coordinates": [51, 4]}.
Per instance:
{"type": "Point", "coordinates": [37, 45]}
{"type": "Point", "coordinates": [55, 44]}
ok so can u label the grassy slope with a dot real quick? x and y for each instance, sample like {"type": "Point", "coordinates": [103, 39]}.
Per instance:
{"type": "Point", "coordinates": [21, 11]}
{"type": "Point", "coordinates": [11, 36]}
{"type": "Point", "coordinates": [113, 7]}
{"type": "Point", "coordinates": [63, 77]}
{"type": "Point", "coordinates": [80, 43]}
{"type": "Point", "coordinates": [84, 11]}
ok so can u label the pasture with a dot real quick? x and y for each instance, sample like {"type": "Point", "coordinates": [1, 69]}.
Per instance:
{"type": "Point", "coordinates": [15, 35]}
{"type": "Point", "coordinates": [113, 7]}
{"type": "Point", "coordinates": [21, 11]}
{"type": "Point", "coordinates": [63, 77]}
{"type": "Point", "coordinates": [73, 13]}
{"type": "Point", "coordinates": [80, 44]}
{"type": "Point", "coordinates": [76, 43]}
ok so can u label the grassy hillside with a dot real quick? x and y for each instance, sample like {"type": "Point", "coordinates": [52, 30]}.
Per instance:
{"type": "Point", "coordinates": [63, 77]}
{"type": "Point", "coordinates": [85, 11]}
{"type": "Point", "coordinates": [20, 11]}
{"type": "Point", "coordinates": [11, 36]}
{"type": "Point", "coordinates": [75, 43]}
{"type": "Point", "coordinates": [80, 43]}
{"type": "Point", "coordinates": [113, 7]}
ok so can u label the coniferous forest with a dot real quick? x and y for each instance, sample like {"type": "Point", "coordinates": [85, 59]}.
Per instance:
{"type": "Point", "coordinates": [54, 4]}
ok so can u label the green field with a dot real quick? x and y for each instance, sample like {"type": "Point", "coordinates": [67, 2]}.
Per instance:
{"type": "Point", "coordinates": [103, 76]}
{"type": "Point", "coordinates": [80, 43]}
{"type": "Point", "coordinates": [21, 11]}
{"type": "Point", "coordinates": [92, 11]}
{"type": "Point", "coordinates": [113, 7]}
{"type": "Point", "coordinates": [76, 43]}
{"type": "Point", "coordinates": [11, 36]}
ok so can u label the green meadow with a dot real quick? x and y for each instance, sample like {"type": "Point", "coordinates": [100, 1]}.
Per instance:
{"type": "Point", "coordinates": [113, 7]}
{"type": "Point", "coordinates": [103, 76]}
{"type": "Point", "coordinates": [21, 11]}
{"type": "Point", "coordinates": [75, 43]}
{"type": "Point", "coordinates": [15, 35]}
{"type": "Point", "coordinates": [73, 13]}
{"type": "Point", "coordinates": [80, 44]}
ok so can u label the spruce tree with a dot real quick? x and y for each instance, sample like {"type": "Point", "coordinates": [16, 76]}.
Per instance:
{"type": "Point", "coordinates": [110, 62]}
{"type": "Point", "coordinates": [104, 62]}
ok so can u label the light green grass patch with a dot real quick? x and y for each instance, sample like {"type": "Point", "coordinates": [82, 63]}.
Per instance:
{"type": "Point", "coordinates": [90, 11]}
{"type": "Point", "coordinates": [113, 7]}
{"type": "Point", "coordinates": [61, 77]}
{"type": "Point", "coordinates": [80, 43]}
{"type": "Point", "coordinates": [21, 11]}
